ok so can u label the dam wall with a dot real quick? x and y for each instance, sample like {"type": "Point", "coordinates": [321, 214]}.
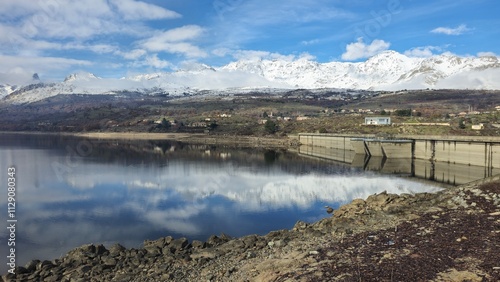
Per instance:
{"type": "Point", "coordinates": [474, 153]}
{"type": "Point", "coordinates": [339, 155]}
{"type": "Point", "coordinates": [332, 141]}
{"type": "Point", "coordinates": [430, 156]}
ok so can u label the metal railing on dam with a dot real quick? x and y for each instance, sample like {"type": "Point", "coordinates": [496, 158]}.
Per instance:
{"type": "Point", "coordinates": [448, 159]}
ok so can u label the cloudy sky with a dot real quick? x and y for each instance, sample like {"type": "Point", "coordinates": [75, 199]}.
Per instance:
{"type": "Point", "coordinates": [115, 38]}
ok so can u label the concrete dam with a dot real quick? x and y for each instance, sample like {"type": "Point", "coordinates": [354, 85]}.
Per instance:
{"type": "Point", "coordinates": [448, 159]}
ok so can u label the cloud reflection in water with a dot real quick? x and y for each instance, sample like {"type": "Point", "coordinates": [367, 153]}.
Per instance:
{"type": "Point", "coordinates": [103, 201]}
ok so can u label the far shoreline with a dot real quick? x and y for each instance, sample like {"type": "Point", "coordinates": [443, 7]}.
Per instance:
{"type": "Point", "coordinates": [194, 138]}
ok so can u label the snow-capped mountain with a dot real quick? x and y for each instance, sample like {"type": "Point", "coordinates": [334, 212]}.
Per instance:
{"type": "Point", "coordinates": [15, 82]}
{"type": "Point", "coordinates": [386, 71]}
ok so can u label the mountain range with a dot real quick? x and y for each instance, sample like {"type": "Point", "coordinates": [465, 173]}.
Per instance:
{"type": "Point", "coordinates": [388, 70]}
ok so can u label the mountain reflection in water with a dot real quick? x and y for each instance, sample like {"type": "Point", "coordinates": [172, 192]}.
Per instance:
{"type": "Point", "coordinates": [74, 191]}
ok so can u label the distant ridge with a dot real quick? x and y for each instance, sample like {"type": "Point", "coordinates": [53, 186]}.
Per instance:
{"type": "Point", "coordinates": [388, 70]}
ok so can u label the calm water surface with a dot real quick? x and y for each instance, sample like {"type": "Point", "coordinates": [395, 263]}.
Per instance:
{"type": "Point", "coordinates": [77, 191]}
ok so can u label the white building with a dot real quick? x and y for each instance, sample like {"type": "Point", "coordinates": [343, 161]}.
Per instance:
{"type": "Point", "coordinates": [378, 121]}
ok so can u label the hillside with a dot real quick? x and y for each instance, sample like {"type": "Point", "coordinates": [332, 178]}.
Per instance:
{"type": "Point", "coordinates": [244, 113]}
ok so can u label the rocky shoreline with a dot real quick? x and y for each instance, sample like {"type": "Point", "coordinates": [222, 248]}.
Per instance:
{"type": "Point", "coordinates": [452, 235]}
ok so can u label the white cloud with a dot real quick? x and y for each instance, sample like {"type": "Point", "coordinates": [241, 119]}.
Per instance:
{"type": "Point", "coordinates": [29, 30]}
{"type": "Point", "coordinates": [132, 55]}
{"type": "Point", "coordinates": [62, 19]}
{"type": "Point", "coordinates": [183, 48]}
{"type": "Point", "coordinates": [34, 47]}
{"type": "Point", "coordinates": [451, 31]}
{"type": "Point", "coordinates": [361, 50]}
{"type": "Point", "coordinates": [310, 42]}
{"type": "Point", "coordinates": [173, 41]}
{"type": "Point", "coordinates": [47, 63]}
{"type": "Point", "coordinates": [221, 52]}
{"type": "Point", "coordinates": [97, 48]}
{"type": "Point", "coordinates": [487, 54]}
{"type": "Point", "coordinates": [423, 52]}
{"type": "Point", "coordinates": [259, 55]}
{"type": "Point", "coordinates": [243, 21]}
{"type": "Point", "coordinates": [262, 12]}
{"type": "Point", "coordinates": [184, 33]}
{"type": "Point", "coordinates": [11, 9]}
{"type": "Point", "coordinates": [136, 10]}
{"type": "Point", "coordinates": [153, 61]}
{"type": "Point", "coordinates": [29, 65]}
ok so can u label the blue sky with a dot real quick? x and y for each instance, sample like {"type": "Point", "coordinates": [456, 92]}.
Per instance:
{"type": "Point", "coordinates": [115, 38]}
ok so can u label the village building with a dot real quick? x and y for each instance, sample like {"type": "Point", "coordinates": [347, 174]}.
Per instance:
{"type": "Point", "coordinates": [198, 124]}
{"type": "Point", "coordinates": [478, 126]}
{"type": "Point", "coordinates": [377, 121]}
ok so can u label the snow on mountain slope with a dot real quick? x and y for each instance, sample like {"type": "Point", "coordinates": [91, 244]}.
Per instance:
{"type": "Point", "coordinates": [10, 82]}
{"type": "Point", "coordinates": [388, 70]}
{"type": "Point", "coordinates": [383, 70]}
{"type": "Point", "coordinates": [5, 90]}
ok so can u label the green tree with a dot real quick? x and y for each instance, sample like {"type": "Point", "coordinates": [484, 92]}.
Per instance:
{"type": "Point", "coordinates": [270, 126]}
{"type": "Point", "coordinates": [165, 123]}
{"type": "Point", "coordinates": [213, 125]}
{"type": "Point", "coordinates": [403, 113]}
{"type": "Point", "coordinates": [265, 115]}
{"type": "Point", "coordinates": [461, 123]}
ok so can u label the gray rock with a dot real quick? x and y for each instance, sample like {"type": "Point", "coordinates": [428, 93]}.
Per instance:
{"type": "Point", "coordinates": [250, 240]}
{"type": "Point", "coordinates": [82, 254]}
{"type": "Point", "coordinates": [22, 270]}
{"type": "Point", "coordinates": [84, 269]}
{"type": "Point", "coordinates": [279, 243]}
{"type": "Point", "coordinates": [100, 250]}
{"type": "Point", "coordinates": [135, 261]}
{"type": "Point", "coordinates": [33, 277]}
{"type": "Point", "coordinates": [215, 240]}
{"type": "Point", "coordinates": [160, 243]}
{"type": "Point", "coordinates": [168, 239]}
{"type": "Point", "coordinates": [178, 245]}
{"type": "Point", "coordinates": [53, 278]}
{"type": "Point", "coordinates": [31, 266]}
{"type": "Point", "coordinates": [196, 244]}
{"type": "Point", "coordinates": [153, 250]}
{"type": "Point", "coordinates": [276, 234]}
{"type": "Point", "coordinates": [109, 261]}
{"type": "Point", "coordinates": [250, 255]}
{"type": "Point", "coordinates": [44, 265]}
{"type": "Point", "coordinates": [235, 245]}
{"type": "Point", "coordinates": [300, 225]}
{"type": "Point", "coordinates": [116, 250]}
{"type": "Point", "coordinates": [205, 253]}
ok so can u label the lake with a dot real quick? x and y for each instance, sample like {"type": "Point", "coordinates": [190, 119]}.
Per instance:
{"type": "Point", "coordinates": [71, 191]}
